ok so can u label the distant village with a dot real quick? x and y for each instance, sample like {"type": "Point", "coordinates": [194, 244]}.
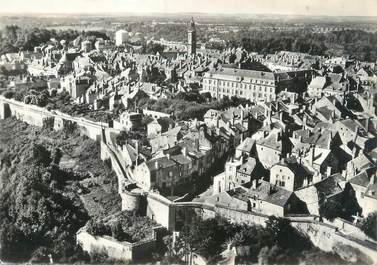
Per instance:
{"type": "Point", "coordinates": [302, 141]}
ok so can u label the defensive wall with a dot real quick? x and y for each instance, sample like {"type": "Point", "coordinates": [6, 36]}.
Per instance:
{"type": "Point", "coordinates": [122, 251]}
{"type": "Point", "coordinates": [36, 116]}
{"type": "Point", "coordinates": [329, 238]}
{"type": "Point", "coordinates": [170, 214]}
{"type": "Point", "coordinates": [325, 236]}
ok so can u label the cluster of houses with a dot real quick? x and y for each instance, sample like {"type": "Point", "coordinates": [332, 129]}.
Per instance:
{"type": "Point", "coordinates": [296, 159]}
{"type": "Point", "coordinates": [307, 136]}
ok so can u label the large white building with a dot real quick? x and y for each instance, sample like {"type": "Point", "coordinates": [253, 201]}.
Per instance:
{"type": "Point", "coordinates": [252, 84]}
{"type": "Point", "coordinates": [242, 83]}
{"type": "Point", "coordinates": [121, 36]}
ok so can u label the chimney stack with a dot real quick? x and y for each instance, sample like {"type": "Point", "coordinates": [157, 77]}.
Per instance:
{"type": "Point", "coordinates": [184, 151]}
{"type": "Point", "coordinates": [156, 164]}
{"type": "Point", "coordinates": [312, 154]}
{"type": "Point", "coordinates": [254, 184]}
{"type": "Point", "coordinates": [372, 179]}
{"type": "Point", "coordinates": [328, 171]}
{"type": "Point", "coordinates": [197, 144]}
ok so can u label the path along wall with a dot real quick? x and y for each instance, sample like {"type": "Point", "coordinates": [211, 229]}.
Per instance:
{"type": "Point", "coordinates": [324, 236]}
{"type": "Point", "coordinates": [164, 211]}
{"type": "Point", "coordinates": [329, 238]}
{"type": "Point", "coordinates": [35, 115]}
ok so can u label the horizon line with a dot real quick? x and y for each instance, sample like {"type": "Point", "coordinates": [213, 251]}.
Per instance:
{"type": "Point", "coordinates": [177, 13]}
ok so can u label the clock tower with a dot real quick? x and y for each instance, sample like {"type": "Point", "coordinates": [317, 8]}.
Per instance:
{"type": "Point", "coordinates": [191, 36]}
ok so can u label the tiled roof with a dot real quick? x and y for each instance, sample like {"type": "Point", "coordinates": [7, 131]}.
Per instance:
{"type": "Point", "coordinates": [318, 82]}
{"type": "Point", "coordinates": [248, 167]}
{"type": "Point", "coordinates": [162, 162]}
{"type": "Point", "coordinates": [280, 197]}
{"type": "Point", "coordinates": [271, 142]}
{"type": "Point", "coordinates": [330, 185]}
{"type": "Point", "coordinates": [181, 159]}
{"type": "Point", "coordinates": [232, 72]}
{"type": "Point", "coordinates": [246, 145]}
{"type": "Point", "coordinates": [361, 179]}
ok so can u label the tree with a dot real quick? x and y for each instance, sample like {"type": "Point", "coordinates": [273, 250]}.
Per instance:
{"type": "Point", "coordinates": [369, 225]}
{"type": "Point", "coordinates": [330, 209]}
{"type": "Point", "coordinates": [275, 255]}
{"type": "Point", "coordinates": [285, 236]}
{"type": "Point", "coordinates": [12, 242]}
{"type": "Point", "coordinates": [41, 155]}
{"type": "Point", "coordinates": [117, 231]}
{"type": "Point", "coordinates": [98, 228]}
{"type": "Point", "coordinates": [8, 94]}
{"type": "Point", "coordinates": [56, 156]}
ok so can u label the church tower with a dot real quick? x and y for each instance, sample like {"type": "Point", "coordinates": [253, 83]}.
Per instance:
{"type": "Point", "coordinates": [191, 36]}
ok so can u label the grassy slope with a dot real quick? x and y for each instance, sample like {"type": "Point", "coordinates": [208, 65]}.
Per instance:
{"type": "Point", "coordinates": [16, 137]}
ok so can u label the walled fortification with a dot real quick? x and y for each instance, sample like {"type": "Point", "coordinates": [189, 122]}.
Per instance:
{"type": "Point", "coordinates": [325, 236]}
{"type": "Point", "coordinates": [121, 251]}
{"type": "Point", "coordinates": [329, 238]}
{"type": "Point", "coordinates": [35, 115]}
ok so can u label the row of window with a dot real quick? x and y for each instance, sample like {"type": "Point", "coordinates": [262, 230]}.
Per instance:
{"type": "Point", "coordinates": [252, 96]}
{"type": "Point", "coordinates": [282, 177]}
{"type": "Point", "coordinates": [255, 89]}
{"type": "Point", "coordinates": [238, 84]}
{"type": "Point", "coordinates": [280, 183]}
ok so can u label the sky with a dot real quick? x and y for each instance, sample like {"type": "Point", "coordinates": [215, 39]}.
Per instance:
{"type": "Point", "coordinates": [288, 7]}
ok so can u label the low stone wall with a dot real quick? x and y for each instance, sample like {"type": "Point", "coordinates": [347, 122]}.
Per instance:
{"type": "Point", "coordinates": [324, 236]}
{"type": "Point", "coordinates": [328, 238]}
{"type": "Point", "coordinates": [155, 114]}
{"type": "Point", "coordinates": [114, 249]}
{"type": "Point", "coordinates": [35, 115]}
{"type": "Point", "coordinates": [348, 227]}
{"type": "Point", "coordinates": [239, 216]}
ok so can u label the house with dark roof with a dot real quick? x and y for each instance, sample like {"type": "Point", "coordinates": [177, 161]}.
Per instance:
{"type": "Point", "coordinates": [272, 148]}
{"type": "Point", "coordinates": [250, 170]}
{"type": "Point", "coordinates": [365, 186]}
{"type": "Point", "coordinates": [231, 198]}
{"type": "Point", "coordinates": [289, 174]}
{"type": "Point", "coordinates": [247, 148]}
{"type": "Point", "coordinates": [160, 173]}
{"type": "Point", "coordinates": [330, 188]}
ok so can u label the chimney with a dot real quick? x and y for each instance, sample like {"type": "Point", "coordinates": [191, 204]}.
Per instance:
{"type": "Point", "coordinates": [281, 116]}
{"type": "Point", "coordinates": [197, 144]}
{"type": "Point", "coordinates": [354, 151]}
{"type": "Point", "coordinates": [328, 171]}
{"type": "Point", "coordinates": [254, 184]}
{"type": "Point", "coordinates": [168, 156]}
{"type": "Point", "coordinates": [304, 120]}
{"type": "Point", "coordinates": [156, 164]}
{"type": "Point", "coordinates": [367, 124]}
{"type": "Point", "coordinates": [372, 179]}
{"type": "Point", "coordinates": [311, 155]}
{"type": "Point", "coordinates": [184, 151]}
{"type": "Point", "coordinates": [356, 132]}
{"type": "Point", "coordinates": [278, 136]}
{"type": "Point", "coordinates": [137, 151]}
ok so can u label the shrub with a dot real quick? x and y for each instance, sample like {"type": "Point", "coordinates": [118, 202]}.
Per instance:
{"type": "Point", "coordinates": [8, 94]}
{"type": "Point", "coordinates": [369, 225]}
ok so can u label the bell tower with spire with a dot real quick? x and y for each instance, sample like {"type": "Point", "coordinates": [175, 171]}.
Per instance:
{"type": "Point", "coordinates": [191, 36]}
